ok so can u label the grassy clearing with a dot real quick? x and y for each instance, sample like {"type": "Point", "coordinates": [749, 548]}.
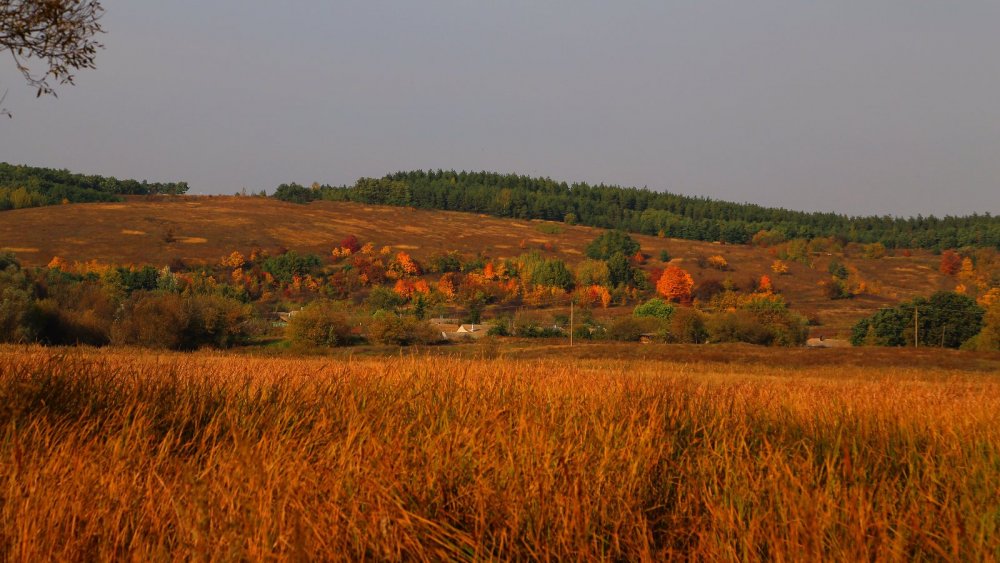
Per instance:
{"type": "Point", "coordinates": [115, 454]}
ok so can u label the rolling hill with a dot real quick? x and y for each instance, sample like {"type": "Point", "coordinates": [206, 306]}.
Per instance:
{"type": "Point", "coordinates": [201, 229]}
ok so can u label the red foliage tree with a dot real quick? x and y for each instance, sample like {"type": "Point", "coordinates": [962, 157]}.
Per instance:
{"type": "Point", "coordinates": [951, 262]}
{"type": "Point", "coordinates": [351, 243]}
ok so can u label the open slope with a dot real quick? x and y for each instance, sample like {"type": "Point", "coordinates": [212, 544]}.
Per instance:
{"type": "Point", "coordinates": [158, 230]}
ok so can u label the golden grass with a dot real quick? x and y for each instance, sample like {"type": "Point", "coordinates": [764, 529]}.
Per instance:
{"type": "Point", "coordinates": [130, 455]}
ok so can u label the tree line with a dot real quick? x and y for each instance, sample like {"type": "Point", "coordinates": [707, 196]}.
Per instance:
{"type": "Point", "coordinates": [641, 210]}
{"type": "Point", "coordinates": [29, 186]}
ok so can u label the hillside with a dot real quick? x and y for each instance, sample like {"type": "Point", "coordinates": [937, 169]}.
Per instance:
{"type": "Point", "coordinates": [159, 230]}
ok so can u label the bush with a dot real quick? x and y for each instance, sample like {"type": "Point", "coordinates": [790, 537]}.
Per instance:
{"type": "Point", "coordinates": [287, 266]}
{"type": "Point", "coordinates": [18, 314]}
{"type": "Point", "coordinates": [627, 329]}
{"type": "Point", "coordinates": [988, 339]}
{"type": "Point", "coordinates": [532, 329]}
{"type": "Point", "coordinates": [739, 326]}
{"type": "Point", "coordinates": [654, 308]}
{"type": "Point", "coordinates": [320, 324]}
{"type": "Point", "coordinates": [444, 263]}
{"type": "Point", "coordinates": [609, 243]}
{"type": "Point", "coordinates": [176, 322]}
{"type": "Point", "coordinates": [387, 328]}
{"type": "Point", "coordinates": [707, 289]}
{"type": "Point", "coordinates": [383, 299]}
{"type": "Point", "coordinates": [687, 326]}
{"type": "Point", "coordinates": [664, 256]}
{"type": "Point", "coordinates": [294, 193]}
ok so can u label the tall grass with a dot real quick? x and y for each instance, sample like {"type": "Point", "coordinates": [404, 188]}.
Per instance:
{"type": "Point", "coordinates": [131, 455]}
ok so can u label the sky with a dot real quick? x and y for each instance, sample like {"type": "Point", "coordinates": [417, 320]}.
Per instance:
{"type": "Point", "coordinates": [884, 107]}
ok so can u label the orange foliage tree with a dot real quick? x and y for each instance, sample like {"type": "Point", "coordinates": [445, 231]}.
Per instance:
{"type": "Point", "coordinates": [407, 266]}
{"type": "Point", "coordinates": [765, 286]}
{"type": "Point", "coordinates": [234, 260]}
{"type": "Point", "coordinates": [675, 284]}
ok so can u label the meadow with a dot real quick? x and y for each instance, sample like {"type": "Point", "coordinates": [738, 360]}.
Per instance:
{"type": "Point", "coordinates": [136, 455]}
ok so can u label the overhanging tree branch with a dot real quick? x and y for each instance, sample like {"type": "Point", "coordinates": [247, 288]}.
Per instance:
{"type": "Point", "coordinates": [59, 34]}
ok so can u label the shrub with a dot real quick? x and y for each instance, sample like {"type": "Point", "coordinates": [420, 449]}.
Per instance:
{"type": "Point", "coordinates": [7, 259]}
{"type": "Point", "coordinates": [321, 323]}
{"type": "Point", "coordinates": [444, 263]}
{"type": "Point", "coordinates": [609, 243]}
{"type": "Point", "coordinates": [500, 327]}
{"type": "Point", "coordinates": [837, 270]}
{"type": "Point", "coordinates": [383, 299]}
{"type": "Point", "coordinates": [687, 326]}
{"type": "Point", "coordinates": [718, 262]}
{"type": "Point", "coordinates": [989, 338]}
{"type": "Point", "coordinates": [532, 329]}
{"type": "Point", "coordinates": [295, 193]}
{"type": "Point", "coordinates": [176, 322]}
{"type": "Point", "coordinates": [387, 328]}
{"type": "Point", "coordinates": [626, 329]}
{"type": "Point", "coordinates": [873, 251]}
{"type": "Point", "coordinates": [654, 308]}
{"type": "Point", "coordinates": [285, 267]}
{"type": "Point", "coordinates": [707, 289]}
{"type": "Point", "coordinates": [738, 326]}
{"type": "Point", "coordinates": [664, 256]}
{"type": "Point", "coordinates": [78, 313]}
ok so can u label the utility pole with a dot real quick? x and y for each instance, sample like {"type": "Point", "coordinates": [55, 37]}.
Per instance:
{"type": "Point", "coordinates": [916, 327]}
{"type": "Point", "coordinates": [571, 322]}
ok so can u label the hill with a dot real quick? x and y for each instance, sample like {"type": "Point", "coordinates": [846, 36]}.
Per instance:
{"type": "Point", "coordinates": [161, 230]}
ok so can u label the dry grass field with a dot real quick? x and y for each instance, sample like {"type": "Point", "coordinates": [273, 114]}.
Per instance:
{"type": "Point", "coordinates": [115, 454]}
{"type": "Point", "coordinates": [206, 228]}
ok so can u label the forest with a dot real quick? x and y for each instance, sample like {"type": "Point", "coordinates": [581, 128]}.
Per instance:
{"type": "Point", "coordinates": [641, 210]}
{"type": "Point", "coordinates": [29, 186]}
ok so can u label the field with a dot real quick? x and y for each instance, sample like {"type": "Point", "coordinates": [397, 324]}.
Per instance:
{"type": "Point", "coordinates": [134, 455]}
{"type": "Point", "coordinates": [203, 229]}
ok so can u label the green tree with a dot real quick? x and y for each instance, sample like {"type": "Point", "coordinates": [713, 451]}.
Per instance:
{"type": "Point", "coordinates": [655, 308]}
{"type": "Point", "coordinates": [610, 243]}
{"type": "Point", "coordinates": [552, 273]}
{"type": "Point", "coordinates": [945, 319]}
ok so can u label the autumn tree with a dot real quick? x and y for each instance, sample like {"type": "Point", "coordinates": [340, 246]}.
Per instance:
{"type": "Point", "coordinates": [351, 244]}
{"type": "Point", "coordinates": [675, 284]}
{"type": "Point", "coordinates": [951, 262]}
{"type": "Point", "coordinates": [764, 285]}
{"type": "Point", "coordinates": [718, 262]}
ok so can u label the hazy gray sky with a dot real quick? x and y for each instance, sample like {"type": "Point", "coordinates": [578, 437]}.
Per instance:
{"type": "Point", "coordinates": [862, 107]}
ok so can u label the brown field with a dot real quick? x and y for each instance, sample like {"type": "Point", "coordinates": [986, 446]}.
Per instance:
{"type": "Point", "coordinates": [115, 454]}
{"type": "Point", "coordinates": [206, 228]}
